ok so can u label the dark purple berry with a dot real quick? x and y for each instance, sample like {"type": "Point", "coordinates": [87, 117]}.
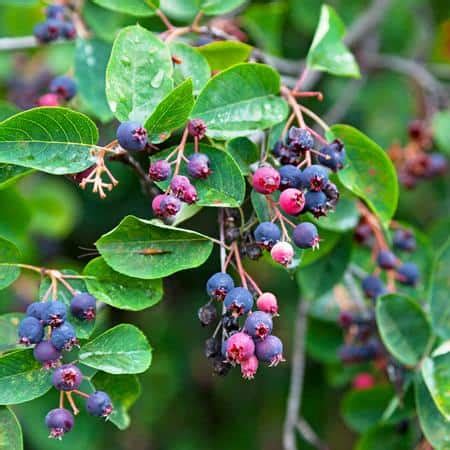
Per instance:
{"type": "Point", "coordinates": [230, 323]}
{"type": "Point", "coordinates": [239, 301]}
{"type": "Point", "coordinates": [40, 32]}
{"type": "Point", "coordinates": [64, 337]}
{"type": "Point", "coordinates": [59, 421]}
{"type": "Point", "coordinates": [55, 12]}
{"type": "Point", "coordinates": [37, 310]}
{"type": "Point", "coordinates": [221, 367]}
{"type": "Point", "coordinates": [31, 331]}
{"type": "Point", "coordinates": [437, 165]}
{"type": "Point", "coordinates": [408, 273]}
{"type": "Point", "coordinates": [67, 377]}
{"type": "Point", "coordinates": [315, 177]}
{"type": "Point", "coordinates": [160, 170]}
{"type": "Point", "coordinates": [68, 30]}
{"type": "Point", "coordinates": [316, 203]}
{"type": "Point", "coordinates": [55, 313]}
{"type": "Point", "coordinates": [267, 234]}
{"type": "Point", "coordinates": [198, 165]}
{"type": "Point", "coordinates": [305, 235]}
{"type": "Point", "coordinates": [404, 240]}
{"type": "Point", "coordinates": [346, 319]}
{"type": "Point", "coordinates": [269, 350]}
{"type": "Point", "coordinates": [258, 325]}
{"type": "Point", "coordinates": [332, 193]}
{"type": "Point", "coordinates": [65, 87]}
{"type": "Point", "coordinates": [351, 354]}
{"type": "Point", "coordinates": [132, 136]}
{"type": "Point", "coordinates": [218, 285]}
{"type": "Point", "coordinates": [386, 259]}
{"type": "Point", "coordinates": [253, 251]}
{"type": "Point", "coordinates": [47, 354]}
{"type": "Point", "coordinates": [334, 155]}
{"type": "Point", "coordinates": [207, 314]}
{"type": "Point", "coordinates": [170, 205]}
{"type": "Point", "coordinates": [99, 404]}
{"type": "Point", "coordinates": [197, 128]}
{"type": "Point", "coordinates": [291, 177]}
{"type": "Point", "coordinates": [300, 139]}
{"type": "Point", "coordinates": [83, 306]}
{"type": "Point", "coordinates": [373, 287]}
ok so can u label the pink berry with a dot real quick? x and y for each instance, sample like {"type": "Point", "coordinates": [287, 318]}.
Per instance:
{"type": "Point", "coordinates": [156, 205]}
{"type": "Point", "coordinates": [266, 180]}
{"type": "Point", "coordinates": [282, 253]}
{"type": "Point", "coordinates": [159, 170]}
{"type": "Point", "coordinates": [363, 381]}
{"type": "Point", "coordinates": [179, 185]}
{"type": "Point", "coordinates": [292, 201]}
{"type": "Point", "coordinates": [240, 346]}
{"type": "Point", "coordinates": [48, 100]}
{"type": "Point", "coordinates": [267, 302]}
{"type": "Point", "coordinates": [170, 205]}
{"type": "Point", "coordinates": [249, 367]}
{"type": "Point", "coordinates": [190, 195]}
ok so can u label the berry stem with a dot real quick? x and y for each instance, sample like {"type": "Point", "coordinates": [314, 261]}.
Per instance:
{"type": "Point", "coordinates": [374, 225]}
{"type": "Point", "coordinates": [164, 19]}
{"type": "Point", "coordinates": [180, 150]}
{"type": "Point", "coordinates": [80, 393]}
{"type": "Point", "coordinates": [286, 93]}
{"type": "Point", "coordinates": [287, 126]}
{"type": "Point", "coordinates": [66, 285]}
{"type": "Point", "coordinates": [61, 399]}
{"type": "Point", "coordinates": [315, 117]}
{"type": "Point", "coordinates": [72, 403]}
{"type": "Point", "coordinates": [303, 94]}
{"type": "Point", "coordinates": [317, 136]}
{"type": "Point", "coordinates": [300, 80]}
{"type": "Point", "coordinates": [240, 268]}
{"type": "Point", "coordinates": [254, 284]}
{"type": "Point", "coordinates": [47, 294]}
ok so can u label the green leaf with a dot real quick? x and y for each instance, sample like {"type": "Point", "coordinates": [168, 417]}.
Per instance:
{"type": "Point", "coordinates": [184, 10]}
{"type": "Point", "coordinates": [138, 8]}
{"type": "Point", "coordinates": [54, 140]}
{"type": "Point", "coordinates": [434, 425]}
{"type": "Point", "coordinates": [123, 390]}
{"type": "Point", "coordinates": [91, 59]}
{"type": "Point", "coordinates": [123, 349]}
{"type": "Point", "coordinates": [9, 174]}
{"type": "Point", "coordinates": [362, 409]}
{"type": "Point", "coordinates": [440, 285]}
{"type": "Point", "coordinates": [225, 187]}
{"type": "Point", "coordinates": [15, 218]}
{"type": "Point", "coordinates": [119, 290]}
{"type": "Point", "coordinates": [10, 430]}
{"type": "Point", "coordinates": [385, 437]}
{"type": "Point", "coordinates": [172, 113]}
{"type": "Point", "coordinates": [436, 374]}
{"type": "Point", "coordinates": [323, 340]}
{"type": "Point", "coordinates": [318, 278]}
{"type": "Point", "coordinates": [244, 152]}
{"type": "Point", "coordinates": [216, 7]}
{"type": "Point", "coordinates": [22, 378]}
{"type": "Point", "coordinates": [223, 54]}
{"type": "Point", "coordinates": [127, 248]}
{"type": "Point", "coordinates": [403, 327]}
{"type": "Point", "coordinates": [7, 110]}
{"type": "Point", "coordinates": [139, 74]}
{"type": "Point", "coordinates": [193, 65]}
{"type": "Point", "coordinates": [259, 203]}
{"type": "Point", "coordinates": [328, 52]}
{"type": "Point", "coordinates": [441, 130]}
{"type": "Point", "coordinates": [369, 173]}
{"type": "Point", "coordinates": [8, 331]}
{"type": "Point", "coordinates": [8, 254]}
{"type": "Point", "coordinates": [328, 240]}
{"type": "Point", "coordinates": [240, 100]}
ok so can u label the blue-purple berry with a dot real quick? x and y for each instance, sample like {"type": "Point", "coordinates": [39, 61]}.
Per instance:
{"type": "Point", "coordinates": [170, 205]}
{"type": "Point", "coordinates": [55, 313]}
{"type": "Point", "coordinates": [99, 404]}
{"type": "Point", "coordinates": [47, 354]}
{"type": "Point", "coordinates": [239, 301]}
{"type": "Point", "coordinates": [64, 337]}
{"type": "Point", "coordinates": [305, 235]}
{"type": "Point", "coordinates": [315, 177]}
{"type": "Point", "coordinates": [291, 177]}
{"type": "Point", "coordinates": [300, 139]}
{"type": "Point", "coordinates": [31, 331]}
{"type": "Point", "coordinates": [334, 155]}
{"type": "Point", "coordinates": [386, 259]}
{"type": "Point", "coordinates": [64, 86]}
{"type": "Point", "coordinates": [408, 273]}
{"type": "Point", "coordinates": [68, 31]}
{"type": "Point", "coordinates": [404, 240]}
{"type": "Point", "coordinates": [55, 12]}
{"type": "Point", "coordinates": [269, 350]}
{"type": "Point", "coordinates": [67, 378]}
{"type": "Point", "coordinates": [316, 203]}
{"type": "Point", "coordinates": [373, 287]}
{"type": "Point", "coordinates": [37, 310]}
{"type": "Point", "coordinates": [159, 170]}
{"type": "Point", "coordinates": [59, 421]}
{"type": "Point", "coordinates": [179, 185]}
{"type": "Point", "coordinates": [83, 306]}
{"type": "Point", "coordinates": [198, 165]}
{"type": "Point", "coordinates": [267, 234]}
{"type": "Point", "coordinates": [132, 136]}
{"type": "Point", "coordinates": [258, 325]}
{"type": "Point", "coordinates": [218, 285]}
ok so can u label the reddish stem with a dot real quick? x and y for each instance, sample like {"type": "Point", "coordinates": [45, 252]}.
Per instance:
{"type": "Point", "coordinates": [240, 268]}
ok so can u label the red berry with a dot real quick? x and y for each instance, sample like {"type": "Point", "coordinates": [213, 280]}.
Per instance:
{"type": "Point", "coordinates": [363, 381]}
{"type": "Point", "coordinates": [249, 367]}
{"type": "Point", "coordinates": [266, 180]}
{"type": "Point", "coordinates": [267, 302]}
{"type": "Point", "coordinates": [48, 100]}
{"type": "Point", "coordinates": [282, 253]}
{"type": "Point", "coordinates": [240, 346]}
{"type": "Point", "coordinates": [292, 201]}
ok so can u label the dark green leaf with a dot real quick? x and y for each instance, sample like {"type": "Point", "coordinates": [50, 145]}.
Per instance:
{"type": "Point", "coordinates": [385, 437]}
{"type": "Point", "coordinates": [7, 110]}
{"type": "Point", "coordinates": [240, 100]}
{"type": "Point", "coordinates": [119, 290]}
{"type": "Point", "coordinates": [244, 152]}
{"type": "Point", "coordinates": [223, 54]}
{"type": "Point", "coordinates": [328, 53]}
{"type": "Point", "coordinates": [139, 74]}
{"type": "Point", "coordinates": [10, 430]}
{"type": "Point", "coordinates": [139, 8]}
{"type": "Point", "coordinates": [123, 349]}
{"type": "Point", "coordinates": [8, 254]}
{"type": "Point", "coordinates": [128, 248]}
{"type": "Point", "coordinates": [259, 203]}
{"type": "Point", "coordinates": [328, 241]}
{"type": "Point", "coordinates": [323, 340]}
{"type": "Point", "coordinates": [369, 173]}
{"type": "Point", "coordinates": [9, 174]}
{"type": "Point", "coordinates": [55, 140]}
{"type": "Point", "coordinates": [403, 326]}
{"type": "Point", "coordinates": [441, 130]}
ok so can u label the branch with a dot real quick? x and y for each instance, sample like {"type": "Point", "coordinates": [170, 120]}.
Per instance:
{"type": "Point", "coordinates": [310, 436]}
{"type": "Point", "coordinates": [297, 376]}
{"type": "Point", "coordinates": [18, 43]}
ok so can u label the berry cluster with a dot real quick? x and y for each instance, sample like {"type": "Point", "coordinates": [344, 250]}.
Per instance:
{"type": "Point", "coordinates": [234, 343]}
{"type": "Point", "coordinates": [62, 89]}
{"type": "Point", "coordinates": [414, 161]}
{"type": "Point", "coordinates": [56, 26]}
{"type": "Point", "coordinates": [46, 326]}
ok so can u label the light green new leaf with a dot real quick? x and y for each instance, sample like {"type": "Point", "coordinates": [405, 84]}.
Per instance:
{"type": "Point", "coordinates": [8, 254]}
{"type": "Point", "coordinates": [10, 430]}
{"type": "Point", "coordinates": [139, 74]}
{"type": "Point", "coordinates": [119, 290]}
{"type": "Point", "coordinates": [240, 100]}
{"type": "Point", "coordinates": [216, 7]}
{"type": "Point", "coordinates": [123, 349]}
{"type": "Point", "coordinates": [441, 130]}
{"type": "Point", "coordinates": [328, 52]}
{"type": "Point", "coordinates": [223, 54]}
{"type": "Point", "coordinates": [149, 250]}
{"type": "Point", "coordinates": [139, 8]}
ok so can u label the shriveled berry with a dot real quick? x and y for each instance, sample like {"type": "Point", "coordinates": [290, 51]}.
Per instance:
{"type": "Point", "coordinates": [218, 285]}
{"type": "Point", "coordinates": [292, 201]}
{"type": "Point", "coordinates": [48, 100]}
{"type": "Point", "coordinates": [239, 301]}
{"type": "Point", "coordinates": [64, 337]}
{"type": "Point", "coordinates": [316, 203]}
{"type": "Point", "coordinates": [270, 350]}
{"type": "Point", "coordinates": [267, 234]}
{"type": "Point", "coordinates": [132, 136]}
{"type": "Point", "coordinates": [290, 177]}
{"type": "Point", "coordinates": [221, 367]}
{"type": "Point", "coordinates": [240, 346]}
{"type": "Point", "coordinates": [332, 193]}
{"type": "Point", "coordinates": [363, 381]}
{"type": "Point", "coordinates": [266, 180]}
{"type": "Point", "coordinates": [305, 235]}
{"type": "Point", "coordinates": [179, 185]}
{"type": "Point", "coordinates": [315, 177]}
{"type": "Point", "coordinates": [207, 314]}
{"type": "Point", "coordinates": [230, 323]}
{"type": "Point", "coordinates": [67, 377]}
{"type": "Point", "coordinates": [156, 205]}
{"type": "Point", "coordinates": [159, 170]}
{"type": "Point", "coordinates": [59, 421]}
{"type": "Point", "coordinates": [47, 354]}
{"type": "Point", "coordinates": [197, 128]}
{"type": "Point", "coordinates": [198, 165]}
{"type": "Point", "coordinates": [300, 139]}
{"type": "Point", "coordinates": [386, 259]}
{"type": "Point", "coordinates": [83, 306]}
{"type": "Point", "coordinates": [253, 251]}
{"type": "Point", "coordinates": [404, 240]}
{"type": "Point", "coordinates": [282, 253]}
{"type": "Point", "coordinates": [408, 273]}
{"type": "Point", "coordinates": [373, 287]}
{"type": "Point", "coordinates": [31, 331]}
{"type": "Point", "coordinates": [99, 404]}
{"type": "Point", "coordinates": [170, 205]}
{"type": "Point", "coordinates": [249, 367]}
{"type": "Point", "coordinates": [258, 325]}
{"type": "Point", "coordinates": [55, 313]}
{"type": "Point", "coordinates": [212, 347]}
{"type": "Point", "coordinates": [334, 155]}
{"type": "Point", "coordinates": [64, 86]}
{"type": "Point", "coordinates": [267, 302]}
{"type": "Point", "coordinates": [37, 310]}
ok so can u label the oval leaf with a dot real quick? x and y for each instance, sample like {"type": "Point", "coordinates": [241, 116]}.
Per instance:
{"type": "Point", "coordinates": [216, 7]}
{"type": "Point", "coordinates": [8, 254]}
{"type": "Point", "coordinates": [240, 100]}
{"type": "Point", "coordinates": [139, 74]}
{"type": "Point", "coordinates": [223, 54]}
{"type": "Point", "coordinates": [244, 152]}
{"type": "Point", "coordinates": [123, 349]}
{"type": "Point", "coordinates": [369, 173]}
{"type": "Point", "coordinates": [403, 327]}
{"type": "Point", "coordinates": [441, 130]}
{"type": "Point", "coordinates": [10, 430]}
{"type": "Point", "coordinates": [148, 250]}
{"type": "Point", "coordinates": [119, 290]}
{"type": "Point", "coordinates": [138, 8]}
